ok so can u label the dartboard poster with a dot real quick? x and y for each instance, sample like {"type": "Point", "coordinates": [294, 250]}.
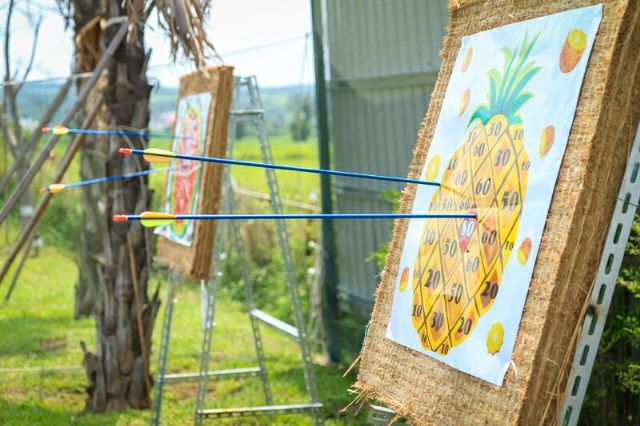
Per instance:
{"type": "Point", "coordinates": [200, 128]}
{"type": "Point", "coordinates": [497, 150]}
{"type": "Point", "coordinates": [183, 182]}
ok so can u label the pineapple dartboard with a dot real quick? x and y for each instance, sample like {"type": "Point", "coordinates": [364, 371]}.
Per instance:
{"type": "Point", "coordinates": [457, 272]}
{"type": "Point", "coordinates": [496, 150]}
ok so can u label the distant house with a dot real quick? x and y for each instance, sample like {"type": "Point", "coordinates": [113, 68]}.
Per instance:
{"type": "Point", "coordinates": [381, 62]}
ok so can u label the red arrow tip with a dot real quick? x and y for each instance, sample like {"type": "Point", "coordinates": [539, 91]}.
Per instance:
{"type": "Point", "coordinates": [125, 151]}
{"type": "Point", "coordinates": [119, 217]}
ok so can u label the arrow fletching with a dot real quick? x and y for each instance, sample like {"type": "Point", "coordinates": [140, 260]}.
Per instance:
{"type": "Point", "coordinates": [54, 188]}
{"type": "Point", "coordinates": [153, 219]}
{"type": "Point", "coordinates": [152, 155]}
{"type": "Point", "coordinates": [56, 130]}
{"type": "Point", "coordinates": [148, 219]}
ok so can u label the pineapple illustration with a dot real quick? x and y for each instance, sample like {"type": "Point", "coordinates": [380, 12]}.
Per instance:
{"type": "Point", "coordinates": [458, 270]}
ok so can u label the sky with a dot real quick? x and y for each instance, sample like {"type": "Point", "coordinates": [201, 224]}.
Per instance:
{"type": "Point", "coordinates": [234, 26]}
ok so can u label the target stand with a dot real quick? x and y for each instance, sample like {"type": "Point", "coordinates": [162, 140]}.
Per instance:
{"type": "Point", "coordinates": [599, 299]}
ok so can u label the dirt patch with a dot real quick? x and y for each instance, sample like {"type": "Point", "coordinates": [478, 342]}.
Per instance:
{"type": "Point", "coordinates": [53, 345]}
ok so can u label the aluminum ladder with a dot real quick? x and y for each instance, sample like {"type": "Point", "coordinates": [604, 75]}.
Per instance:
{"type": "Point", "coordinates": [255, 114]}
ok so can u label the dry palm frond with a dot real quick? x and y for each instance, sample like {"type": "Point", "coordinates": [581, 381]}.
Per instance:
{"type": "Point", "coordinates": [135, 13]}
{"type": "Point", "coordinates": [183, 21]}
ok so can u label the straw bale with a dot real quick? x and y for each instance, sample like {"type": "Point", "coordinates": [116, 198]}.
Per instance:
{"type": "Point", "coordinates": [430, 392]}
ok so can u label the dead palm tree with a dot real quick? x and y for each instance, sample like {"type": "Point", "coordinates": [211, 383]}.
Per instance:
{"type": "Point", "coordinates": [115, 260]}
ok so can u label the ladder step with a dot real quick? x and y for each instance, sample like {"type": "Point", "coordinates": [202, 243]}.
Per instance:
{"type": "Point", "coordinates": [275, 323]}
{"type": "Point", "coordinates": [245, 112]}
{"type": "Point", "coordinates": [232, 373]}
{"type": "Point", "coordinates": [267, 410]}
{"type": "Point", "coordinates": [380, 415]}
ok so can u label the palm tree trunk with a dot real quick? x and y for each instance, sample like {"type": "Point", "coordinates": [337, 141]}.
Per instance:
{"type": "Point", "coordinates": [118, 369]}
{"type": "Point", "coordinates": [89, 39]}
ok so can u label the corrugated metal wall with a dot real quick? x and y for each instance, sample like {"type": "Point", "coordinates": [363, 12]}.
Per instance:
{"type": "Point", "coordinates": [383, 61]}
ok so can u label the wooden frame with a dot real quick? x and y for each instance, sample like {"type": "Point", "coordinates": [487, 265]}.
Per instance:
{"type": "Point", "coordinates": [430, 392]}
{"type": "Point", "coordinates": [194, 259]}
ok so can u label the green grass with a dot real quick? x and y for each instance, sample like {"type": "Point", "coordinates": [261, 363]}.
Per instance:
{"type": "Point", "coordinates": [298, 186]}
{"type": "Point", "coordinates": [294, 186]}
{"type": "Point", "coordinates": [64, 213]}
{"type": "Point", "coordinates": [38, 331]}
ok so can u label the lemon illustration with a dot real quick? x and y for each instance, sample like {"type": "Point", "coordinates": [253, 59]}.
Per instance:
{"type": "Point", "coordinates": [433, 168]}
{"type": "Point", "coordinates": [495, 338]}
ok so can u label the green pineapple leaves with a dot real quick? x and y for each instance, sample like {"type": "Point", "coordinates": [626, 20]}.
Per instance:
{"type": "Point", "coordinates": [483, 113]}
{"type": "Point", "coordinates": [506, 91]}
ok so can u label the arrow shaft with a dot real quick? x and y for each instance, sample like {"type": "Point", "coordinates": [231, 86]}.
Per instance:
{"type": "Point", "coordinates": [307, 216]}
{"type": "Point", "coordinates": [288, 168]}
{"type": "Point", "coordinates": [123, 133]}
{"type": "Point", "coordinates": [118, 177]}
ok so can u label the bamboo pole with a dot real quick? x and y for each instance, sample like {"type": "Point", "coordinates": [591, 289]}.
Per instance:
{"type": "Point", "coordinates": [84, 93]}
{"type": "Point", "coordinates": [37, 132]}
{"type": "Point", "coordinates": [30, 227]}
{"type": "Point", "coordinates": [25, 255]}
{"type": "Point", "coordinates": [136, 300]}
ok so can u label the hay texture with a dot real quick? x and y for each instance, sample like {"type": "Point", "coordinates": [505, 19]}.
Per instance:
{"type": "Point", "coordinates": [195, 261]}
{"type": "Point", "coordinates": [430, 392]}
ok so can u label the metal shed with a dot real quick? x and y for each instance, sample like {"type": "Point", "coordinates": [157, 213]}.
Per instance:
{"type": "Point", "coordinates": [381, 61]}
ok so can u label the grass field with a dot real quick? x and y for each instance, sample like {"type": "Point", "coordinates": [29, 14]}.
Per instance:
{"type": "Point", "coordinates": [295, 186]}
{"type": "Point", "coordinates": [37, 329]}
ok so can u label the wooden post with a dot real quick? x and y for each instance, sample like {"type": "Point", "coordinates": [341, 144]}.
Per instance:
{"type": "Point", "coordinates": [330, 305]}
{"type": "Point", "coordinates": [136, 300]}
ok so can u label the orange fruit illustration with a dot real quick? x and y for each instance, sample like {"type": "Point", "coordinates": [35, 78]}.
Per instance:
{"type": "Point", "coordinates": [464, 101]}
{"type": "Point", "coordinates": [572, 50]}
{"type": "Point", "coordinates": [524, 251]}
{"type": "Point", "coordinates": [404, 279]}
{"type": "Point", "coordinates": [457, 272]}
{"type": "Point", "coordinates": [547, 137]}
{"type": "Point", "coordinates": [466, 60]}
